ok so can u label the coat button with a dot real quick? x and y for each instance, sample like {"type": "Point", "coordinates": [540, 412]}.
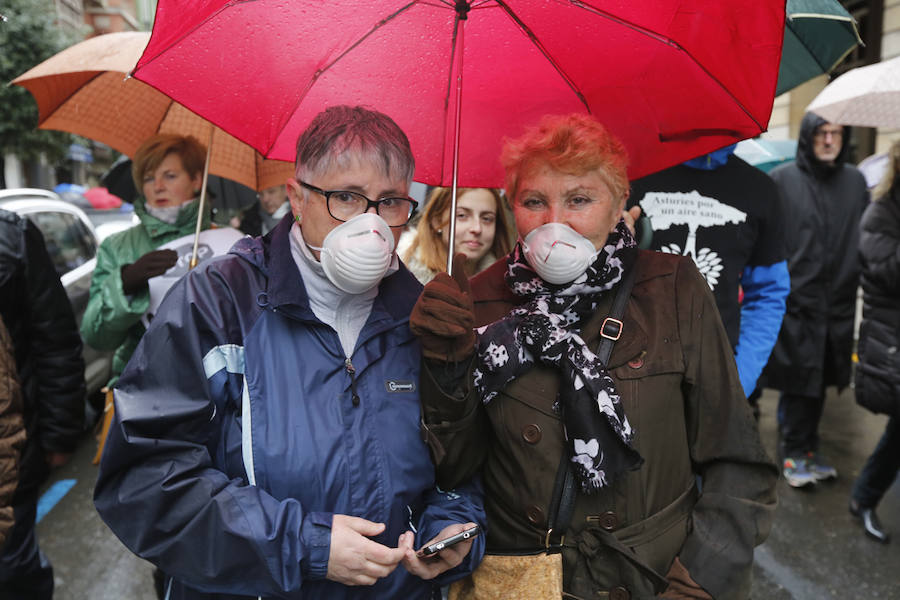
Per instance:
{"type": "Point", "coordinates": [609, 520]}
{"type": "Point", "coordinates": [531, 433]}
{"type": "Point", "coordinates": [535, 515]}
{"type": "Point", "coordinates": [619, 593]}
{"type": "Point", "coordinates": [636, 363]}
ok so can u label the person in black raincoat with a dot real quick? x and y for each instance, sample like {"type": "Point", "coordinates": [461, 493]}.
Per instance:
{"type": "Point", "coordinates": [50, 369]}
{"type": "Point", "coordinates": [878, 373]}
{"type": "Point", "coordinates": [823, 202]}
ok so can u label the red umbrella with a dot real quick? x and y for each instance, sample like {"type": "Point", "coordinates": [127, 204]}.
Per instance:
{"type": "Point", "coordinates": [672, 78]}
{"type": "Point", "coordinates": [102, 198]}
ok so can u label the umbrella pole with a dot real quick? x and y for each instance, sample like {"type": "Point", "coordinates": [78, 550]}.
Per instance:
{"type": "Point", "coordinates": [450, 251]}
{"type": "Point", "coordinates": [202, 206]}
{"type": "Point", "coordinates": [459, 56]}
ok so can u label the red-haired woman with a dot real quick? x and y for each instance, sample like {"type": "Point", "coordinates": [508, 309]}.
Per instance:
{"type": "Point", "coordinates": [527, 401]}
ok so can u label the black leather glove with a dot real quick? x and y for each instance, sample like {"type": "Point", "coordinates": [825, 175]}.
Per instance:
{"type": "Point", "coordinates": [444, 316]}
{"type": "Point", "coordinates": [152, 264]}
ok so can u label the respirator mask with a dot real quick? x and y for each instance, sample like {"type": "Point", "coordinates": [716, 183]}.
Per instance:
{"type": "Point", "coordinates": [356, 254]}
{"type": "Point", "coordinates": [558, 253]}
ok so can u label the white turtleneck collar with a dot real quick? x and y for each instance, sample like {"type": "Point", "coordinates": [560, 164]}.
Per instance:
{"type": "Point", "coordinates": [345, 313]}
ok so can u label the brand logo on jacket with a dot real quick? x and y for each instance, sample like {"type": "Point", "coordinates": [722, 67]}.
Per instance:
{"type": "Point", "coordinates": [392, 385]}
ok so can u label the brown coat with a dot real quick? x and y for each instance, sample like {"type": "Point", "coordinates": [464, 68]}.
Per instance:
{"type": "Point", "coordinates": [12, 431]}
{"type": "Point", "coordinates": [675, 372]}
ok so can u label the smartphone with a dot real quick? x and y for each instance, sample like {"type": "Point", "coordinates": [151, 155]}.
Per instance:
{"type": "Point", "coordinates": [435, 547]}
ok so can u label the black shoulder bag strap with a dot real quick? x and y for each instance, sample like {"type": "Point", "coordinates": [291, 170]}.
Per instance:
{"type": "Point", "coordinates": [563, 503]}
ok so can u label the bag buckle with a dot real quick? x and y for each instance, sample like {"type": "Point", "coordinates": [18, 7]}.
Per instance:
{"type": "Point", "coordinates": [611, 329]}
{"type": "Point", "coordinates": [548, 547]}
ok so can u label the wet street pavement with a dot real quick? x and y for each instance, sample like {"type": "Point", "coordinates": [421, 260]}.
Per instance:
{"type": "Point", "coordinates": [816, 549]}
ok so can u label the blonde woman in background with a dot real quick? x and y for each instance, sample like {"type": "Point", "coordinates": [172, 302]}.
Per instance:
{"type": "Point", "coordinates": [483, 232]}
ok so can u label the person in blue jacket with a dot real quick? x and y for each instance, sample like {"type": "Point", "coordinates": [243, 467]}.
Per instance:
{"type": "Point", "coordinates": [726, 214]}
{"type": "Point", "coordinates": [266, 436]}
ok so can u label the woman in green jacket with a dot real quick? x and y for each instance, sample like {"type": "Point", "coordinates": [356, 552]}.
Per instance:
{"type": "Point", "coordinates": [168, 169]}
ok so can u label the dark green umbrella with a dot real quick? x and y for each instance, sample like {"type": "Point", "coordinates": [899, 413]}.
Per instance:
{"type": "Point", "coordinates": [818, 34]}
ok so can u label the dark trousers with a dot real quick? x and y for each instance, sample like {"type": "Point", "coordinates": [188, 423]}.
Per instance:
{"type": "Point", "coordinates": [25, 573]}
{"type": "Point", "coordinates": [881, 467]}
{"type": "Point", "coordinates": [798, 422]}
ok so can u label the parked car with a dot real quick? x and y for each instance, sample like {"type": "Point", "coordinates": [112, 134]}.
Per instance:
{"type": "Point", "coordinates": [72, 243]}
{"type": "Point", "coordinates": [109, 221]}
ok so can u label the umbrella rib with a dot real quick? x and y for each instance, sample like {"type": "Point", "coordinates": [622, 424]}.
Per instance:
{"type": "Point", "coordinates": [534, 40]}
{"type": "Point", "coordinates": [826, 68]}
{"type": "Point", "coordinates": [69, 97]}
{"type": "Point", "coordinates": [848, 19]}
{"type": "Point", "coordinates": [669, 42]}
{"type": "Point", "coordinates": [187, 33]}
{"type": "Point", "coordinates": [362, 38]}
{"type": "Point", "coordinates": [319, 72]}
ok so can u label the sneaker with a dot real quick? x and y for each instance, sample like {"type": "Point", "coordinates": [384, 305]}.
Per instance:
{"type": "Point", "coordinates": [820, 469]}
{"type": "Point", "coordinates": [797, 473]}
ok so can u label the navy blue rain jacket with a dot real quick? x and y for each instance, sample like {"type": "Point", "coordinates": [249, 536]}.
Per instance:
{"type": "Point", "coordinates": [236, 436]}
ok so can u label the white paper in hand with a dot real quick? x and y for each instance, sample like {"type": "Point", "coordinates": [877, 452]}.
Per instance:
{"type": "Point", "coordinates": [213, 242]}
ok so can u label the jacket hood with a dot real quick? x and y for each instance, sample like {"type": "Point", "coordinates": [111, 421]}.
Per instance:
{"type": "Point", "coordinates": [255, 250]}
{"type": "Point", "coordinates": [806, 158]}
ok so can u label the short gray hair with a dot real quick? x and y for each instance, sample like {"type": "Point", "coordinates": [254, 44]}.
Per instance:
{"type": "Point", "coordinates": [340, 132]}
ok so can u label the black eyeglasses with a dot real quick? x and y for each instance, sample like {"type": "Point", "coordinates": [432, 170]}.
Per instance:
{"type": "Point", "coordinates": [344, 205]}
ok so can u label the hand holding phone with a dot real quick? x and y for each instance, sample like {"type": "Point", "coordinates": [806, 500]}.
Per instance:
{"type": "Point", "coordinates": [436, 546]}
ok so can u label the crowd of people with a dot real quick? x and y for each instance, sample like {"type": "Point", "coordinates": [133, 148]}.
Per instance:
{"type": "Point", "coordinates": [306, 412]}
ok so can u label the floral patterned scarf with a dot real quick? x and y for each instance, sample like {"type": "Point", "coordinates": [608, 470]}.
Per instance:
{"type": "Point", "coordinates": [547, 329]}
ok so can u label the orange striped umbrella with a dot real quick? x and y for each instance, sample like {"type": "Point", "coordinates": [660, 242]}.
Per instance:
{"type": "Point", "coordinates": [85, 90]}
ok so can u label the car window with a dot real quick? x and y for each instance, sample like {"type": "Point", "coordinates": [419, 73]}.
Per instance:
{"type": "Point", "coordinates": [69, 241]}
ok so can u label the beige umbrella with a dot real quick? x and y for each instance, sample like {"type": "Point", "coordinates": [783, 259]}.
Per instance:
{"type": "Point", "coordinates": [865, 96]}
{"type": "Point", "coordinates": [86, 90]}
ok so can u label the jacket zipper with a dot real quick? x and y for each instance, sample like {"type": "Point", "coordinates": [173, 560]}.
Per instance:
{"type": "Point", "coordinates": [351, 370]}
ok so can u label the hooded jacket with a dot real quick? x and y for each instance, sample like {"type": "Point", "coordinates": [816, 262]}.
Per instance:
{"type": "Point", "coordinates": [878, 373]}
{"type": "Point", "coordinates": [822, 209]}
{"type": "Point", "coordinates": [241, 428]}
{"type": "Point", "coordinates": [112, 319]}
{"type": "Point", "coordinates": [12, 431]}
{"type": "Point", "coordinates": [47, 347]}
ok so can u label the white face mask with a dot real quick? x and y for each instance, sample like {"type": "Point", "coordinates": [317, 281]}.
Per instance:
{"type": "Point", "coordinates": [166, 214]}
{"type": "Point", "coordinates": [356, 254]}
{"type": "Point", "coordinates": [558, 253]}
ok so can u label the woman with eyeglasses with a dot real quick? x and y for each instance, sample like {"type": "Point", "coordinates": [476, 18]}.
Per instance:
{"type": "Point", "coordinates": [266, 440]}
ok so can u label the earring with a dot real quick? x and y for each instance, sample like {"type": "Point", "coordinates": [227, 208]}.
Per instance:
{"type": "Point", "coordinates": [297, 218]}
{"type": "Point", "coordinates": [440, 231]}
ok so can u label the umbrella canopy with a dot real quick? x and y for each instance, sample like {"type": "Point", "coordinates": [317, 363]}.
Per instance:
{"type": "Point", "coordinates": [874, 168]}
{"type": "Point", "coordinates": [818, 34]}
{"type": "Point", "coordinates": [673, 79]}
{"type": "Point", "coordinates": [766, 154]}
{"type": "Point", "coordinates": [865, 96]}
{"type": "Point", "coordinates": [84, 90]}
{"type": "Point", "coordinates": [101, 198]}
